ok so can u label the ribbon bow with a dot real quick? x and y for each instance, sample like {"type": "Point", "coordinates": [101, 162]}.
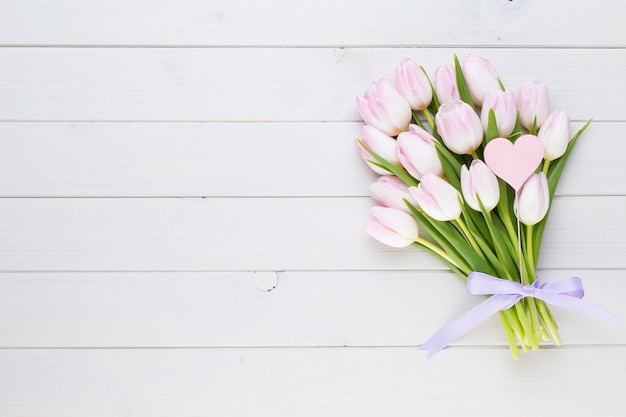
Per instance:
{"type": "Point", "coordinates": [565, 292]}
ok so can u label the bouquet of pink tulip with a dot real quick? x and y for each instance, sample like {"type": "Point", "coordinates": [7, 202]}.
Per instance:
{"type": "Point", "coordinates": [476, 166]}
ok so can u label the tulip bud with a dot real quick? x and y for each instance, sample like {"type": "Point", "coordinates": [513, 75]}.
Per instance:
{"type": "Point", "coordinates": [459, 127]}
{"type": "Point", "coordinates": [437, 198]}
{"type": "Point", "coordinates": [555, 135]}
{"type": "Point", "coordinates": [383, 107]}
{"type": "Point", "coordinates": [478, 182]}
{"type": "Point", "coordinates": [503, 105]}
{"type": "Point", "coordinates": [417, 153]}
{"type": "Point", "coordinates": [390, 191]}
{"type": "Point", "coordinates": [533, 199]}
{"type": "Point", "coordinates": [533, 102]}
{"type": "Point", "coordinates": [413, 85]}
{"type": "Point", "coordinates": [445, 84]}
{"type": "Point", "coordinates": [392, 227]}
{"type": "Point", "coordinates": [480, 77]}
{"type": "Point", "coordinates": [379, 143]}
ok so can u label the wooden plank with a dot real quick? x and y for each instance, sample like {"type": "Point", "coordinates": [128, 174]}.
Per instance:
{"type": "Point", "coordinates": [325, 22]}
{"type": "Point", "coordinates": [232, 160]}
{"type": "Point", "coordinates": [283, 84]}
{"type": "Point", "coordinates": [242, 234]}
{"type": "Point", "coordinates": [311, 382]}
{"type": "Point", "coordinates": [268, 309]}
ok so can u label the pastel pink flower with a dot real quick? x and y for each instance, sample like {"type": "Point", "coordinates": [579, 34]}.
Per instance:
{"type": "Point", "coordinates": [417, 152]}
{"type": "Point", "coordinates": [381, 144]}
{"type": "Point", "coordinates": [504, 108]}
{"type": "Point", "coordinates": [384, 108]}
{"type": "Point", "coordinates": [533, 103]}
{"type": "Point", "coordinates": [437, 198]}
{"type": "Point", "coordinates": [392, 227]}
{"type": "Point", "coordinates": [480, 77]}
{"type": "Point", "coordinates": [413, 84]}
{"type": "Point", "coordinates": [478, 182]}
{"type": "Point", "coordinates": [533, 199]}
{"type": "Point", "coordinates": [390, 191]}
{"type": "Point", "coordinates": [459, 127]}
{"type": "Point", "coordinates": [555, 135]}
{"type": "Point", "coordinates": [445, 84]}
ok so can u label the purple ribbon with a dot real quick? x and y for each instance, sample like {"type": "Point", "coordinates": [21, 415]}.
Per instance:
{"type": "Point", "coordinates": [565, 292]}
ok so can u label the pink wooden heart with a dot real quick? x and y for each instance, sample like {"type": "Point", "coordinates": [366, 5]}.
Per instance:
{"type": "Point", "coordinates": [514, 162]}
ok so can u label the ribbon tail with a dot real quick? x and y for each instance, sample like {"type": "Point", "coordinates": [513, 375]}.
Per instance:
{"type": "Point", "coordinates": [468, 321]}
{"type": "Point", "coordinates": [578, 304]}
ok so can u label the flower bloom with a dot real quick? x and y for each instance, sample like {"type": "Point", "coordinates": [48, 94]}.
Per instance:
{"type": "Point", "coordinates": [390, 191]}
{"type": "Point", "coordinates": [392, 227]}
{"type": "Point", "coordinates": [533, 102]}
{"type": "Point", "coordinates": [437, 198]}
{"type": "Point", "coordinates": [380, 144]}
{"type": "Point", "coordinates": [459, 127]}
{"type": "Point", "coordinates": [445, 84]}
{"type": "Point", "coordinates": [555, 135]}
{"type": "Point", "coordinates": [413, 85]}
{"type": "Point", "coordinates": [383, 107]}
{"type": "Point", "coordinates": [503, 105]}
{"type": "Point", "coordinates": [533, 199]}
{"type": "Point", "coordinates": [480, 77]}
{"type": "Point", "coordinates": [417, 153]}
{"type": "Point", "coordinates": [478, 182]}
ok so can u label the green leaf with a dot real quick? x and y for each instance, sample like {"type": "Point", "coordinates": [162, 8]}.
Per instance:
{"type": "Point", "coordinates": [483, 243]}
{"type": "Point", "coordinates": [452, 247]}
{"type": "Point", "coordinates": [444, 260]}
{"type": "Point", "coordinates": [492, 128]}
{"type": "Point", "coordinates": [434, 104]}
{"type": "Point", "coordinates": [451, 165]}
{"type": "Point", "coordinates": [499, 238]}
{"type": "Point", "coordinates": [461, 84]}
{"type": "Point", "coordinates": [417, 121]}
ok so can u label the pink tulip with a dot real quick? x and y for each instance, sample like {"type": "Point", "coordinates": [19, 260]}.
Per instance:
{"type": "Point", "coordinates": [380, 144]}
{"type": "Point", "coordinates": [478, 182]}
{"type": "Point", "coordinates": [390, 191]}
{"type": "Point", "coordinates": [383, 107]}
{"type": "Point", "coordinates": [413, 84]}
{"type": "Point", "coordinates": [480, 77]}
{"type": "Point", "coordinates": [392, 227]}
{"type": "Point", "coordinates": [437, 198]}
{"type": "Point", "coordinates": [533, 102]}
{"type": "Point", "coordinates": [555, 135]}
{"type": "Point", "coordinates": [445, 84]}
{"type": "Point", "coordinates": [533, 199]}
{"type": "Point", "coordinates": [503, 105]}
{"type": "Point", "coordinates": [459, 127]}
{"type": "Point", "coordinates": [417, 153]}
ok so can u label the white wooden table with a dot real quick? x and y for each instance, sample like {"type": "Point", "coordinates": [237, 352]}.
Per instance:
{"type": "Point", "coordinates": [181, 221]}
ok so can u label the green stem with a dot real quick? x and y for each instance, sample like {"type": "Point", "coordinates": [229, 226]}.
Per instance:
{"type": "Point", "coordinates": [469, 236]}
{"type": "Point", "coordinates": [510, 336]}
{"type": "Point", "coordinates": [546, 166]}
{"type": "Point", "coordinates": [530, 257]}
{"type": "Point", "coordinates": [429, 118]}
{"type": "Point", "coordinates": [436, 249]}
{"type": "Point", "coordinates": [549, 322]}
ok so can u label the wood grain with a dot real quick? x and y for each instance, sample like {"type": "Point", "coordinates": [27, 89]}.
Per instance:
{"type": "Point", "coordinates": [242, 234]}
{"type": "Point", "coordinates": [233, 160]}
{"type": "Point", "coordinates": [299, 308]}
{"type": "Point", "coordinates": [323, 23]}
{"type": "Point", "coordinates": [575, 382]}
{"type": "Point", "coordinates": [283, 84]}
{"type": "Point", "coordinates": [124, 293]}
